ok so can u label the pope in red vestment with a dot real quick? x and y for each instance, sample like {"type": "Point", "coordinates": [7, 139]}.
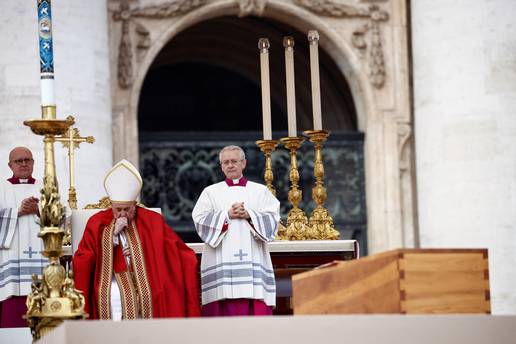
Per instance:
{"type": "Point", "coordinates": [142, 265]}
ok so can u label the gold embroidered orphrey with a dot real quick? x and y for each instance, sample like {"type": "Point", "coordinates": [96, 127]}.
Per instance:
{"type": "Point", "coordinates": [134, 286]}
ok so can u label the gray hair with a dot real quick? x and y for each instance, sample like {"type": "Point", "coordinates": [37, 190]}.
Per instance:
{"type": "Point", "coordinates": [231, 148]}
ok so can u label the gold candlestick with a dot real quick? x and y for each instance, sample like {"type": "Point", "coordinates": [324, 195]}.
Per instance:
{"type": "Point", "coordinates": [54, 297]}
{"type": "Point", "coordinates": [267, 147]}
{"type": "Point", "coordinates": [297, 222]}
{"type": "Point", "coordinates": [321, 223]}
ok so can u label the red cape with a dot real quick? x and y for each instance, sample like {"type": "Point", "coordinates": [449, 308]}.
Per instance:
{"type": "Point", "coordinates": [172, 267]}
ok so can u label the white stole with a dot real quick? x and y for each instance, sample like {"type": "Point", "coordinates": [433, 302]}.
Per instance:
{"type": "Point", "coordinates": [20, 246]}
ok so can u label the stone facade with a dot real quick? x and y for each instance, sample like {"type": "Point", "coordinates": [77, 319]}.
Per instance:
{"type": "Point", "coordinates": [460, 120]}
{"type": "Point", "coordinates": [464, 100]}
{"type": "Point", "coordinates": [82, 88]}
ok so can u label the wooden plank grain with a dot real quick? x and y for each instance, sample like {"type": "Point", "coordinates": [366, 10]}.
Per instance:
{"type": "Point", "coordinates": [400, 281]}
{"type": "Point", "coordinates": [349, 288]}
{"type": "Point", "coordinates": [447, 303]}
{"type": "Point", "coordinates": [443, 261]}
{"type": "Point", "coordinates": [443, 282]}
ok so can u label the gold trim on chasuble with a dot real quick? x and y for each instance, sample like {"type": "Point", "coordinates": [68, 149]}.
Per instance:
{"type": "Point", "coordinates": [140, 272]}
{"type": "Point", "coordinates": [106, 271]}
{"type": "Point", "coordinates": [128, 295]}
{"type": "Point", "coordinates": [130, 288]}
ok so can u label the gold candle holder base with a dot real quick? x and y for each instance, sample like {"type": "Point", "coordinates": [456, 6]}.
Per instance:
{"type": "Point", "coordinates": [282, 232]}
{"type": "Point", "coordinates": [297, 222]}
{"type": "Point", "coordinates": [320, 223]}
{"type": "Point", "coordinates": [52, 300]}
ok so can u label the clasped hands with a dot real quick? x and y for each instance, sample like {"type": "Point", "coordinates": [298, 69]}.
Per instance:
{"type": "Point", "coordinates": [120, 224]}
{"type": "Point", "coordinates": [29, 206]}
{"type": "Point", "coordinates": [237, 211]}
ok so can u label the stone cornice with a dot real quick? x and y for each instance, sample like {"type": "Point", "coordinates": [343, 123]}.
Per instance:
{"type": "Point", "coordinates": [366, 38]}
{"type": "Point", "coordinates": [371, 44]}
{"type": "Point", "coordinates": [126, 14]}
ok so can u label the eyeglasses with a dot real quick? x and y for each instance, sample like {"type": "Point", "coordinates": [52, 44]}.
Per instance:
{"type": "Point", "coordinates": [26, 161]}
{"type": "Point", "coordinates": [230, 162]}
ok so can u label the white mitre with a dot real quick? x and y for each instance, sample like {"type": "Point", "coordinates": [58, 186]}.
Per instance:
{"type": "Point", "coordinates": [123, 182]}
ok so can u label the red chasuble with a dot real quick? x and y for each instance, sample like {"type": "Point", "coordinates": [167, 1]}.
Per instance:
{"type": "Point", "coordinates": [165, 269]}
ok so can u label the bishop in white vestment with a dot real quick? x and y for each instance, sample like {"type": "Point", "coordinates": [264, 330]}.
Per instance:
{"type": "Point", "coordinates": [20, 246]}
{"type": "Point", "coordinates": [236, 219]}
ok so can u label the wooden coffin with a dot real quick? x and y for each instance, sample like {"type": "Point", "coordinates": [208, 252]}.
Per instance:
{"type": "Point", "coordinates": [400, 281]}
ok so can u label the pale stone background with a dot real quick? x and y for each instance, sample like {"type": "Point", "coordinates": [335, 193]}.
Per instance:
{"type": "Point", "coordinates": [81, 64]}
{"type": "Point", "coordinates": [464, 126]}
{"type": "Point", "coordinates": [464, 57]}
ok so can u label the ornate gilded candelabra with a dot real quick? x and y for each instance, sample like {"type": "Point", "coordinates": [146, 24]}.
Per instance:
{"type": "Point", "coordinates": [54, 297]}
{"type": "Point", "coordinates": [267, 147]}
{"type": "Point", "coordinates": [320, 223]}
{"type": "Point", "coordinates": [297, 222]}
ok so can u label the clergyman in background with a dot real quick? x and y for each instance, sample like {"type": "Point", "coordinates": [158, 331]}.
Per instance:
{"type": "Point", "coordinates": [20, 246]}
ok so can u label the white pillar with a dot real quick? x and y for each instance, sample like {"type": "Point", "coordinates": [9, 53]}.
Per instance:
{"type": "Point", "coordinates": [82, 88]}
{"type": "Point", "coordinates": [465, 130]}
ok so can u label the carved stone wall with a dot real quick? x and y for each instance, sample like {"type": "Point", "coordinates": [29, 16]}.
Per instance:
{"type": "Point", "coordinates": [366, 39]}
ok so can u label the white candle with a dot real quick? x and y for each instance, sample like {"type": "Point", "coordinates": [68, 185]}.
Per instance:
{"type": "Point", "coordinates": [47, 92]}
{"type": "Point", "coordinates": [263, 46]}
{"type": "Point", "coordinates": [313, 38]}
{"type": "Point", "coordinates": [288, 43]}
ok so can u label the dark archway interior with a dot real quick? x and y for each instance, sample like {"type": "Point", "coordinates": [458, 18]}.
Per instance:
{"type": "Point", "coordinates": [201, 97]}
{"type": "Point", "coordinates": [207, 78]}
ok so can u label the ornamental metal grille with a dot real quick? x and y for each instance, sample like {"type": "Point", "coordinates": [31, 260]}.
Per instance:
{"type": "Point", "coordinates": [176, 167]}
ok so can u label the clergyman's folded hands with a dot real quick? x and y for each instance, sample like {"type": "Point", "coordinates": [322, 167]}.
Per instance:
{"type": "Point", "coordinates": [237, 211]}
{"type": "Point", "coordinates": [29, 206]}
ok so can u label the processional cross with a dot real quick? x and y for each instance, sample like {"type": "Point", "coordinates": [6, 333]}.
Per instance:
{"type": "Point", "coordinates": [71, 139]}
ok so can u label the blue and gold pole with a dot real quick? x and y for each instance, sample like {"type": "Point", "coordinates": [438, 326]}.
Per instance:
{"type": "Point", "coordinates": [46, 59]}
{"type": "Point", "coordinates": [53, 297]}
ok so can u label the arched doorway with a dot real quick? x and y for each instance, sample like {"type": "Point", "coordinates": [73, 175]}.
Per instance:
{"type": "Point", "coordinates": [202, 92]}
{"type": "Point", "coordinates": [368, 44]}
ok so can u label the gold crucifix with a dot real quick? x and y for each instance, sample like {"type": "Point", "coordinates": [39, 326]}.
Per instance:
{"type": "Point", "coordinates": [71, 140]}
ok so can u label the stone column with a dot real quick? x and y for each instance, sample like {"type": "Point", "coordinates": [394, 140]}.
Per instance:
{"type": "Point", "coordinates": [465, 130]}
{"type": "Point", "coordinates": [82, 88]}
